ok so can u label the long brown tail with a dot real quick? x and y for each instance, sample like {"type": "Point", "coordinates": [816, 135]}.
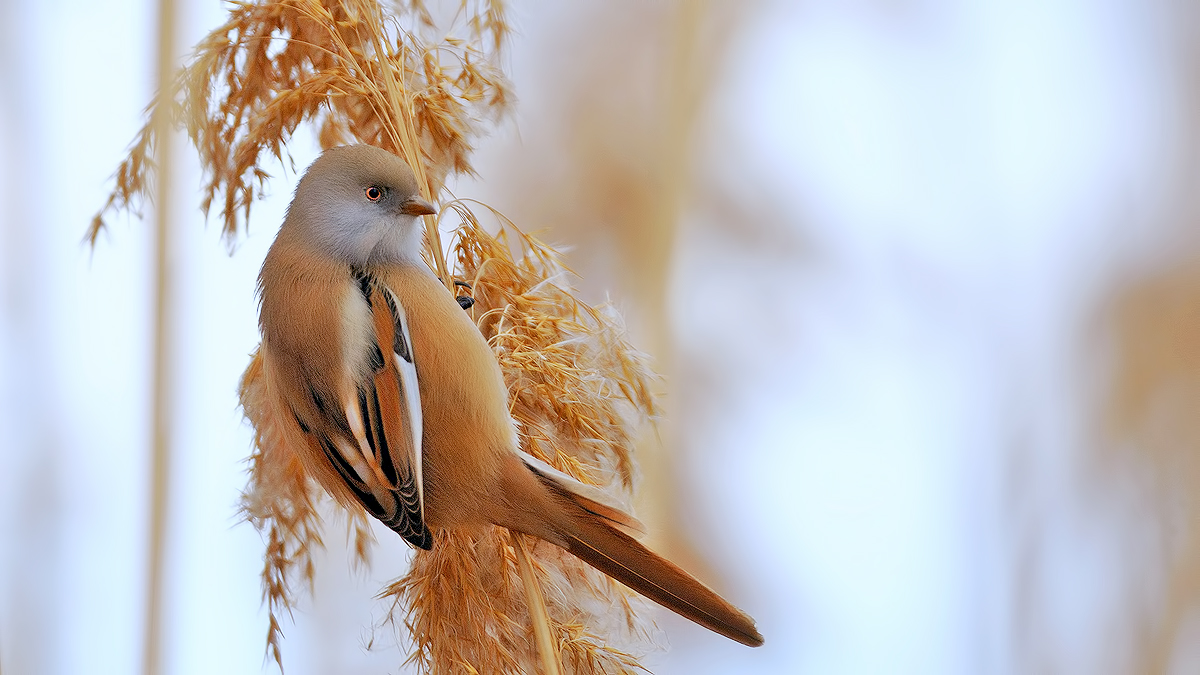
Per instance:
{"type": "Point", "coordinates": [621, 557]}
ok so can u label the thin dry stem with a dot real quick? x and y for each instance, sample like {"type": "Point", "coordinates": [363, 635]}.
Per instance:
{"type": "Point", "coordinates": [163, 373]}
{"type": "Point", "coordinates": [540, 619]}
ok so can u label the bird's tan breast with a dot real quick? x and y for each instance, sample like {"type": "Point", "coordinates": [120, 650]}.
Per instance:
{"type": "Point", "coordinates": [315, 338]}
{"type": "Point", "coordinates": [313, 320]}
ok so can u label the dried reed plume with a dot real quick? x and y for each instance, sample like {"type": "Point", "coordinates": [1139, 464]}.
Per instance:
{"type": "Point", "coordinates": [577, 390]}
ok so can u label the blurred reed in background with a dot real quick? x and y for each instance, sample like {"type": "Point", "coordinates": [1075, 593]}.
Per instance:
{"type": "Point", "coordinates": [613, 165]}
{"type": "Point", "coordinates": [1150, 440]}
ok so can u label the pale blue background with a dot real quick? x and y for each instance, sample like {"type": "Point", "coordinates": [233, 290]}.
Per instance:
{"type": "Point", "coordinates": [897, 455]}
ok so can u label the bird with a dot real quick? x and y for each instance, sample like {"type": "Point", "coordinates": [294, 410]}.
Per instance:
{"type": "Point", "coordinates": [392, 398]}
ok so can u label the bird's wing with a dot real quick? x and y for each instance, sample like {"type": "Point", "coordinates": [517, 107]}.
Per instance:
{"type": "Point", "coordinates": [374, 441]}
{"type": "Point", "coordinates": [591, 498]}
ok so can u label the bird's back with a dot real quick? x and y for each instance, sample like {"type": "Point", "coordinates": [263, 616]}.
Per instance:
{"type": "Point", "coordinates": [468, 434]}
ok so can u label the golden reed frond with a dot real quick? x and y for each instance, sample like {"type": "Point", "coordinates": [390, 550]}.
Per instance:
{"type": "Point", "coordinates": [347, 67]}
{"type": "Point", "coordinates": [578, 391]}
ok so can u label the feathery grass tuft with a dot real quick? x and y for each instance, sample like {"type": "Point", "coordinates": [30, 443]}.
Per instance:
{"type": "Point", "coordinates": [346, 67]}
{"type": "Point", "coordinates": [356, 72]}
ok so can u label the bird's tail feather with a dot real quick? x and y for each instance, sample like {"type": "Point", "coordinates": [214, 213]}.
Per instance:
{"type": "Point", "coordinates": [623, 558]}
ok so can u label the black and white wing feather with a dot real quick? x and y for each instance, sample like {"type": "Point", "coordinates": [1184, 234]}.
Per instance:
{"type": "Point", "coordinates": [381, 459]}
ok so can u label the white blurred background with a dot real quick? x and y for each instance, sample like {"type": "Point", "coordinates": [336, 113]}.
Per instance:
{"type": "Point", "coordinates": [928, 306]}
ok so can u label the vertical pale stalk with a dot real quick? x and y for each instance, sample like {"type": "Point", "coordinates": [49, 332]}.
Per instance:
{"type": "Point", "coordinates": [405, 137]}
{"type": "Point", "coordinates": [162, 375]}
{"type": "Point", "coordinates": [542, 630]}
{"type": "Point", "coordinates": [654, 260]}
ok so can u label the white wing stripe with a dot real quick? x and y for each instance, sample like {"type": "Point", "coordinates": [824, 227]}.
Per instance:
{"type": "Point", "coordinates": [412, 394]}
{"type": "Point", "coordinates": [358, 428]}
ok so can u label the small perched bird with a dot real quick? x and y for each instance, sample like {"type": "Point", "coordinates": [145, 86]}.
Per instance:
{"type": "Point", "coordinates": [391, 397]}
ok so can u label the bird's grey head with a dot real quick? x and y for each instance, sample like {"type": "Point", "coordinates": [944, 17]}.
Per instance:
{"type": "Point", "coordinates": [358, 204]}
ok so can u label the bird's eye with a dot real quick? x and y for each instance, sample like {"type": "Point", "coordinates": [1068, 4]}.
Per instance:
{"type": "Point", "coordinates": [374, 193]}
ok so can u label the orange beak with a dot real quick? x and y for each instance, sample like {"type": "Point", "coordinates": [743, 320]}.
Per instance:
{"type": "Point", "coordinates": [417, 207]}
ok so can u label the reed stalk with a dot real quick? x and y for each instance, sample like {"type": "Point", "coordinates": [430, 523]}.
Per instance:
{"type": "Point", "coordinates": [163, 369]}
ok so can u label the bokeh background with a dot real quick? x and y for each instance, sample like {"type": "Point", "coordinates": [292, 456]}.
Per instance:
{"type": "Point", "coordinates": [923, 278]}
